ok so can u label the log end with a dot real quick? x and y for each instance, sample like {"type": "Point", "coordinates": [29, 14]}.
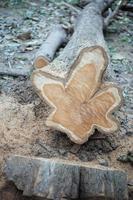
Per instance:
{"type": "Point", "coordinates": [40, 62]}
{"type": "Point", "coordinates": [83, 103]}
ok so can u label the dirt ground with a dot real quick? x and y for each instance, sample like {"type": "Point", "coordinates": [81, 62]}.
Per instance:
{"type": "Point", "coordinates": [23, 114]}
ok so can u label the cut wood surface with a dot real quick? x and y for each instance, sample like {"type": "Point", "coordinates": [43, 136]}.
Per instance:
{"type": "Point", "coordinates": [72, 83]}
{"type": "Point", "coordinates": [57, 179]}
{"type": "Point", "coordinates": [83, 103]}
{"type": "Point", "coordinates": [47, 50]}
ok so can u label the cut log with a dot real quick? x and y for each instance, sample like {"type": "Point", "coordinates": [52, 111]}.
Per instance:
{"type": "Point", "coordinates": [47, 50]}
{"type": "Point", "coordinates": [58, 179]}
{"type": "Point", "coordinates": [89, 102]}
{"type": "Point", "coordinates": [72, 83]}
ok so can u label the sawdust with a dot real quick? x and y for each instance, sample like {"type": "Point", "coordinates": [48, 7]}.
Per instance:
{"type": "Point", "coordinates": [25, 134]}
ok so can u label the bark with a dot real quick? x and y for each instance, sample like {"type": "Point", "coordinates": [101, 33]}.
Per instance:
{"type": "Point", "coordinates": [57, 179]}
{"type": "Point", "coordinates": [88, 32]}
{"type": "Point", "coordinates": [47, 50]}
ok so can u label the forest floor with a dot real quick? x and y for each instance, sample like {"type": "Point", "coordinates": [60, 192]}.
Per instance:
{"type": "Point", "coordinates": [23, 114]}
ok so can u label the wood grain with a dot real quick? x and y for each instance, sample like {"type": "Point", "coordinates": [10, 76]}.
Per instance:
{"type": "Point", "coordinates": [80, 104]}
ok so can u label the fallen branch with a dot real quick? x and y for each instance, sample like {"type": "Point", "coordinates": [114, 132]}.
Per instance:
{"type": "Point", "coordinates": [73, 8]}
{"type": "Point", "coordinates": [98, 138]}
{"type": "Point", "coordinates": [14, 72]}
{"type": "Point", "coordinates": [112, 14]}
{"type": "Point", "coordinates": [47, 50]}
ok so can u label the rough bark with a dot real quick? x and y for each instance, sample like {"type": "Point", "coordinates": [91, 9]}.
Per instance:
{"type": "Point", "coordinates": [46, 52]}
{"type": "Point", "coordinates": [58, 179]}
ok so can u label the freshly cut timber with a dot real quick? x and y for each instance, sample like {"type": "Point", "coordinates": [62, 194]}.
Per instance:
{"type": "Point", "coordinates": [72, 83]}
{"type": "Point", "coordinates": [83, 103]}
{"type": "Point", "coordinates": [63, 179]}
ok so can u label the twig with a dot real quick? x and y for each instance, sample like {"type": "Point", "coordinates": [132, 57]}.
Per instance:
{"type": "Point", "coordinates": [73, 8]}
{"type": "Point", "coordinates": [9, 64]}
{"type": "Point", "coordinates": [108, 4]}
{"type": "Point", "coordinates": [43, 145]}
{"type": "Point", "coordinates": [98, 138]}
{"type": "Point", "coordinates": [112, 14]}
{"type": "Point", "coordinates": [13, 73]}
